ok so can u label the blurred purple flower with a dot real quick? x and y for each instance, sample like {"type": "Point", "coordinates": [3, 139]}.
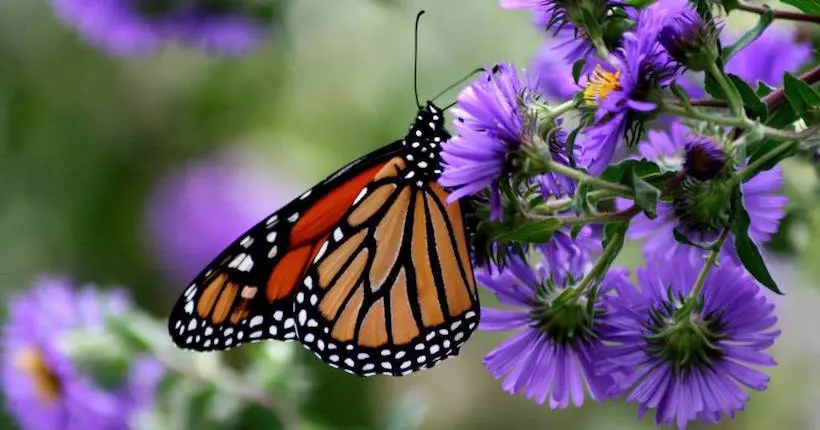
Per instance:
{"type": "Point", "coordinates": [552, 72]}
{"type": "Point", "coordinates": [131, 27]}
{"type": "Point", "coordinates": [774, 53]}
{"type": "Point", "coordinates": [116, 26]}
{"type": "Point", "coordinates": [221, 33]}
{"type": "Point", "coordinates": [42, 387]}
{"type": "Point", "coordinates": [557, 346]}
{"type": "Point", "coordinates": [762, 198]}
{"type": "Point", "coordinates": [691, 358]}
{"type": "Point", "coordinates": [199, 209]}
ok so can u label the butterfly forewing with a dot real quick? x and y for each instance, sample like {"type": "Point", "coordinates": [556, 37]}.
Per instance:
{"type": "Point", "coordinates": [246, 293]}
{"type": "Point", "coordinates": [393, 291]}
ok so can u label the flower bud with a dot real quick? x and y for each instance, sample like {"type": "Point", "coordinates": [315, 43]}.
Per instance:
{"type": "Point", "coordinates": [704, 159]}
{"type": "Point", "coordinates": [691, 41]}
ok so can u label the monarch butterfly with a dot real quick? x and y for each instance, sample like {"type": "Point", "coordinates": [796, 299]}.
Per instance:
{"type": "Point", "coordinates": [370, 269]}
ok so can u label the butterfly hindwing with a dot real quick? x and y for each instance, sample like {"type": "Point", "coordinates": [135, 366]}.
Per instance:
{"type": "Point", "coordinates": [246, 293]}
{"type": "Point", "coordinates": [393, 291]}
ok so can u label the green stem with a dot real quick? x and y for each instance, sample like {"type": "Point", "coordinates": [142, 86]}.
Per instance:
{"type": "Point", "coordinates": [551, 207]}
{"type": "Point", "coordinates": [567, 106]}
{"type": "Point", "coordinates": [603, 218]}
{"type": "Point", "coordinates": [553, 166]}
{"type": "Point", "coordinates": [601, 266]}
{"type": "Point", "coordinates": [753, 168]}
{"type": "Point", "coordinates": [710, 262]}
{"type": "Point", "coordinates": [600, 46]}
{"type": "Point", "coordinates": [732, 94]}
{"type": "Point", "coordinates": [704, 116]}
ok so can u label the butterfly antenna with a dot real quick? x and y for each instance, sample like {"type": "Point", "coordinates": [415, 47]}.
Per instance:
{"type": "Point", "coordinates": [458, 82]}
{"type": "Point", "coordinates": [416, 59]}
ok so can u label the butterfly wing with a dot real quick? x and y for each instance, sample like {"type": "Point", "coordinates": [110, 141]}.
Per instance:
{"type": "Point", "coordinates": [246, 293]}
{"type": "Point", "coordinates": [392, 289]}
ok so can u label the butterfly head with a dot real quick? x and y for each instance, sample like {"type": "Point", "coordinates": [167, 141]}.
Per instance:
{"type": "Point", "coordinates": [423, 142]}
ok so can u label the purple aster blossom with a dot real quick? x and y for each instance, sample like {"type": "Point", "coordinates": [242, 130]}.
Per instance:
{"type": "Point", "coordinates": [489, 126]}
{"type": "Point", "coordinates": [774, 53]}
{"type": "Point", "coordinates": [130, 27]}
{"type": "Point", "coordinates": [42, 387]}
{"type": "Point", "coordinates": [546, 359]}
{"type": "Point", "coordinates": [692, 358]}
{"type": "Point", "coordinates": [620, 86]}
{"type": "Point", "coordinates": [762, 198]}
{"type": "Point", "coordinates": [198, 209]}
{"type": "Point", "coordinates": [570, 255]}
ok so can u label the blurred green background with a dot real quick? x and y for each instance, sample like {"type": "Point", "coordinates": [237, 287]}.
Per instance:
{"type": "Point", "coordinates": [87, 141]}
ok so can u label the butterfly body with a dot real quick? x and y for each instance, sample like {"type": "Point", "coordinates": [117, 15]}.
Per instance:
{"type": "Point", "coordinates": [370, 269]}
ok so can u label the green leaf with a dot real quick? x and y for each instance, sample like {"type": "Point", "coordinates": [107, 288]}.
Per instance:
{"type": "Point", "coordinates": [577, 68]}
{"type": "Point", "coordinates": [646, 196]}
{"type": "Point", "coordinates": [632, 173]}
{"type": "Point", "coordinates": [680, 94]}
{"type": "Point", "coordinates": [807, 6]}
{"type": "Point", "coordinates": [530, 232]}
{"type": "Point", "coordinates": [643, 168]}
{"type": "Point", "coordinates": [751, 101]}
{"type": "Point", "coordinates": [745, 247]}
{"type": "Point", "coordinates": [681, 238]}
{"type": "Point", "coordinates": [802, 98]}
{"type": "Point", "coordinates": [729, 5]}
{"type": "Point", "coordinates": [769, 145]}
{"type": "Point", "coordinates": [614, 232]}
{"type": "Point", "coordinates": [570, 148]}
{"type": "Point", "coordinates": [750, 36]}
{"type": "Point", "coordinates": [580, 203]}
{"type": "Point", "coordinates": [763, 90]}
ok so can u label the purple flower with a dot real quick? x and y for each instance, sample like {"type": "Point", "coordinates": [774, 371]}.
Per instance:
{"type": "Point", "coordinates": [116, 26]}
{"type": "Point", "coordinates": [624, 88]}
{"type": "Point", "coordinates": [690, 40]}
{"type": "Point", "coordinates": [130, 27]}
{"type": "Point", "coordinates": [761, 198]}
{"type": "Point", "coordinates": [774, 53]}
{"type": "Point", "coordinates": [199, 209]}
{"type": "Point", "coordinates": [570, 255]}
{"type": "Point", "coordinates": [489, 126]}
{"type": "Point", "coordinates": [557, 344]}
{"type": "Point", "coordinates": [42, 386]}
{"type": "Point", "coordinates": [552, 72]}
{"type": "Point", "coordinates": [221, 33]}
{"type": "Point", "coordinates": [692, 356]}
{"type": "Point", "coordinates": [704, 158]}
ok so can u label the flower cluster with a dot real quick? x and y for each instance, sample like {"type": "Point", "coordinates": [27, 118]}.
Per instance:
{"type": "Point", "coordinates": [127, 27]}
{"type": "Point", "coordinates": [698, 183]}
{"type": "Point", "coordinates": [52, 380]}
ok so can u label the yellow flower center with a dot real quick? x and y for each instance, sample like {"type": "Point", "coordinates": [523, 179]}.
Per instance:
{"type": "Point", "coordinates": [600, 85]}
{"type": "Point", "coordinates": [30, 361]}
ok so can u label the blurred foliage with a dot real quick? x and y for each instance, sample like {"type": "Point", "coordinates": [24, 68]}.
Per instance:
{"type": "Point", "coordinates": [84, 139]}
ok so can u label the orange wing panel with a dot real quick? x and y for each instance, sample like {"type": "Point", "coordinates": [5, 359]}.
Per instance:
{"type": "Point", "coordinates": [328, 211]}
